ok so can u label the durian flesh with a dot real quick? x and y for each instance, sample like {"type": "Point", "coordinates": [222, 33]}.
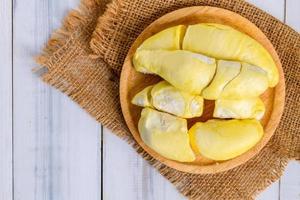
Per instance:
{"type": "Point", "coordinates": [166, 134]}
{"type": "Point", "coordinates": [166, 97]}
{"type": "Point", "coordinates": [252, 108]}
{"type": "Point", "coordinates": [185, 70]}
{"type": "Point", "coordinates": [167, 39]}
{"type": "Point", "coordinates": [143, 98]}
{"type": "Point", "coordinates": [251, 82]}
{"type": "Point", "coordinates": [226, 71]}
{"type": "Point", "coordinates": [223, 42]}
{"type": "Point", "coordinates": [177, 55]}
{"type": "Point", "coordinates": [225, 139]}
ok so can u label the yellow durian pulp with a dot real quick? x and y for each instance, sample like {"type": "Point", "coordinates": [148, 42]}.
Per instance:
{"type": "Point", "coordinates": [143, 98]}
{"type": "Point", "coordinates": [166, 97]}
{"type": "Point", "coordinates": [226, 71]}
{"type": "Point", "coordinates": [167, 39]}
{"type": "Point", "coordinates": [166, 134]}
{"type": "Point", "coordinates": [252, 108]}
{"type": "Point", "coordinates": [225, 139]}
{"type": "Point", "coordinates": [223, 42]}
{"type": "Point", "coordinates": [251, 82]}
{"type": "Point", "coordinates": [185, 70]}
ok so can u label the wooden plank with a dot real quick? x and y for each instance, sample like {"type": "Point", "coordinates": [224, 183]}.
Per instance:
{"type": "Point", "coordinates": [274, 8]}
{"type": "Point", "coordinates": [6, 183]}
{"type": "Point", "coordinates": [57, 146]}
{"type": "Point", "coordinates": [133, 178]}
{"type": "Point", "coordinates": [270, 193]}
{"type": "Point", "coordinates": [292, 14]}
{"type": "Point", "coordinates": [290, 182]}
{"type": "Point", "coordinates": [118, 174]}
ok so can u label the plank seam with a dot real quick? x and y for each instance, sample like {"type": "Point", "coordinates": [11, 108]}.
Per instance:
{"type": "Point", "coordinates": [12, 101]}
{"type": "Point", "coordinates": [102, 163]}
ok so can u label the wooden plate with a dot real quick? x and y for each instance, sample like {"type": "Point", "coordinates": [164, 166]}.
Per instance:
{"type": "Point", "coordinates": [132, 82]}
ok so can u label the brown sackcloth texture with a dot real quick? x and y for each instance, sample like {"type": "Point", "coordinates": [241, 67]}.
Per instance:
{"type": "Point", "coordinates": [91, 78]}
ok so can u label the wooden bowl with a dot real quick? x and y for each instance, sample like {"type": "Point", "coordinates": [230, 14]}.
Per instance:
{"type": "Point", "coordinates": [132, 82]}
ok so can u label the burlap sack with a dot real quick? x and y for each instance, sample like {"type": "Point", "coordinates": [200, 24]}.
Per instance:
{"type": "Point", "coordinates": [91, 79]}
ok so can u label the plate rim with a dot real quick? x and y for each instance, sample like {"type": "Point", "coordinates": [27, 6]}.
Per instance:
{"type": "Point", "coordinates": [278, 106]}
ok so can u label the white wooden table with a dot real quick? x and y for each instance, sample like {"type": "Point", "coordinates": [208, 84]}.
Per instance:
{"type": "Point", "coordinates": [51, 150]}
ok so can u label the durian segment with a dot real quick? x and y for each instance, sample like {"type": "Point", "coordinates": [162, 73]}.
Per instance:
{"type": "Point", "coordinates": [185, 70]}
{"type": "Point", "coordinates": [251, 82]}
{"type": "Point", "coordinates": [167, 39]}
{"type": "Point", "coordinates": [167, 98]}
{"type": "Point", "coordinates": [166, 134]}
{"type": "Point", "coordinates": [225, 139]}
{"type": "Point", "coordinates": [252, 108]}
{"type": "Point", "coordinates": [223, 42]}
{"type": "Point", "coordinates": [226, 71]}
{"type": "Point", "coordinates": [143, 98]}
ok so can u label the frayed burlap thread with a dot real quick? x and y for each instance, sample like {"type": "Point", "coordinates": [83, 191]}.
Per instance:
{"type": "Point", "coordinates": [91, 78]}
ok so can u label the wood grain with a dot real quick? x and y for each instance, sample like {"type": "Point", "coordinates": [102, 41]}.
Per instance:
{"type": "Point", "coordinates": [292, 16]}
{"type": "Point", "coordinates": [273, 7]}
{"type": "Point", "coordinates": [132, 177]}
{"type": "Point", "coordinates": [131, 82]}
{"type": "Point", "coordinates": [290, 182]}
{"type": "Point", "coordinates": [6, 165]}
{"type": "Point", "coordinates": [57, 146]}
